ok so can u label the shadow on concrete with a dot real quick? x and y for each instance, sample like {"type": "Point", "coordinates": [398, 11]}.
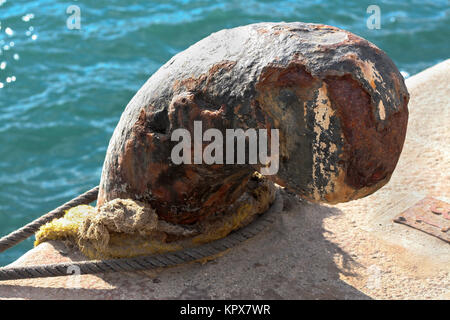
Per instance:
{"type": "Point", "coordinates": [292, 259]}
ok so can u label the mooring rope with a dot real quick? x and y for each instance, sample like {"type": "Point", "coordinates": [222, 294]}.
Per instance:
{"type": "Point", "coordinates": [28, 230]}
{"type": "Point", "coordinates": [144, 262]}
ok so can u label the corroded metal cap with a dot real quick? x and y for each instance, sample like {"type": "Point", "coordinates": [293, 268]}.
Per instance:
{"type": "Point", "coordinates": [338, 101]}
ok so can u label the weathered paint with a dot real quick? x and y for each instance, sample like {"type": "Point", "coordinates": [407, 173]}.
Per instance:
{"type": "Point", "coordinates": [339, 102]}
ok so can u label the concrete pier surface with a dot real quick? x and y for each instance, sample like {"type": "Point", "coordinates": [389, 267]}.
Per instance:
{"type": "Point", "coordinates": [348, 251]}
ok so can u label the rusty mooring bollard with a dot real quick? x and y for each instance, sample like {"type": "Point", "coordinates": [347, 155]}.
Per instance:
{"type": "Point", "coordinates": [338, 101]}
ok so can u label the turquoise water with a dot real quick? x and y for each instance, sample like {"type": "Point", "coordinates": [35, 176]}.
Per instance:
{"type": "Point", "coordinates": [62, 91]}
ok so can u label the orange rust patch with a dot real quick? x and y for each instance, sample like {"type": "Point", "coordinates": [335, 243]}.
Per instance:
{"type": "Point", "coordinates": [292, 75]}
{"type": "Point", "coordinates": [262, 30]}
{"type": "Point", "coordinates": [224, 65]}
{"type": "Point", "coordinates": [154, 170]}
{"type": "Point", "coordinates": [162, 193]}
{"type": "Point", "coordinates": [213, 113]}
{"type": "Point", "coordinates": [325, 26]}
{"type": "Point", "coordinates": [181, 187]}
{"type": "Point", "coordinates": [194, 84]}
{"type": "Point", "coordinates": [371, 153]}
{"type": "Point", "coordinates": [127, 159]}
{"type": "Point", "coordinates": [218, 195]}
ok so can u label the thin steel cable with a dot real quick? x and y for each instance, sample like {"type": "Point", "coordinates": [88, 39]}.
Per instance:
{"type": "Point", "coordinates": [152, 261]}
{"type": "Point", "coordinates": [28, 230]}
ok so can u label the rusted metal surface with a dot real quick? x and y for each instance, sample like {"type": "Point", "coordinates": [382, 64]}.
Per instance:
{"type": "Point", "coordinates": [339, 103]}
{"type": "Point", "coordinates": [428, 215]}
